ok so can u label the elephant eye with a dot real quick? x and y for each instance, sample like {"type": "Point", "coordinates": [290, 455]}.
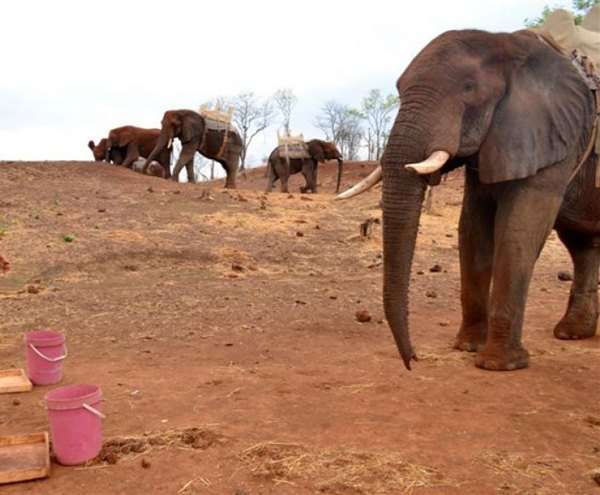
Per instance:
{"type": "Point", "coordinates": [469, 86]}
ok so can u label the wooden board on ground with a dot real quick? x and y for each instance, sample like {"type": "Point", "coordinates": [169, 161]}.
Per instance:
{"type": "Point", "coordinates": [14, 380]}
{"type": "Point", "coordinates": [24, 457]}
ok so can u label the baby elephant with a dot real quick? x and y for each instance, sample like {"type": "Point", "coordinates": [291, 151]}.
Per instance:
{"type": "Point", "coordinates": [285, 161]}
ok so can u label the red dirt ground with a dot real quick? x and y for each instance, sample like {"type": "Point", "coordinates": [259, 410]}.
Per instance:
{"type": "Point", "coordinates": [221, 327]}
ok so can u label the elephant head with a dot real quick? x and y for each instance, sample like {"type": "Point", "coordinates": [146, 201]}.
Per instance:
{"type": "Point", "coordinates": [509, 105]}
{"type": "Point", "coordinates": [120, 137]}
{"type": "Point", "coordinates": [324, 150]}
{"type": "Point", "coordinates": [186, 125]}
{"type": "Point", "coordinates": [99, 150]}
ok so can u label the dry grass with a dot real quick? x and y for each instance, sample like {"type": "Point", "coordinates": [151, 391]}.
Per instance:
{"type": "Point", "coordinates": [443, 356]}
{"type": "Point", "coordinates": [540, 473]}
{"type": "Point", "coordinates": [338, 471]}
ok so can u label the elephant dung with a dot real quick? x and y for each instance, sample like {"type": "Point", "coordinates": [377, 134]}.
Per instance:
{"type": "Point", "coordinates": [363, 316]}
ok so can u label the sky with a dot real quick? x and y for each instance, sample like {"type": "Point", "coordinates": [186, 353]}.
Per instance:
{"type": "Point", "coordinates": [72, 70]}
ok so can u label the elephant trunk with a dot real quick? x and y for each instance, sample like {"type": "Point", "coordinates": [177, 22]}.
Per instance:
{"type": "Point", "coordinates": [403, 194]}
{"type": "Point", "coordinates": [164, 141]}
{"type": "Point", "coordinates": [339, 174]}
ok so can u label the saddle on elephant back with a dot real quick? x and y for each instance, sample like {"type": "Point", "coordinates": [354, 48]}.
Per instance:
{"type": "Point", "coordinates": [582, 45]}
{"type": "Point", "coordinates": [216, 121]}
{"type": "Point", "coordinates": [292, 147]}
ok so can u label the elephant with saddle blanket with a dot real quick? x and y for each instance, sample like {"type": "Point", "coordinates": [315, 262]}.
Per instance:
{"type": "Point", "coordinates": [288, 159]}
{"type": "Point", "coordinates": [214, 140]}
{"type": "Point", "coordinates": [520, 116]}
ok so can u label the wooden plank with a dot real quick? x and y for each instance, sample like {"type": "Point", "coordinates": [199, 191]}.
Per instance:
{"type": "Point", "coordinates": [14, 380]}
{"type": "Point", "coordinates": [224, 117]}
{"type": "Point", "coordinates": [283, 140]}
{"type": "Point", "coordinates": [24, 457]}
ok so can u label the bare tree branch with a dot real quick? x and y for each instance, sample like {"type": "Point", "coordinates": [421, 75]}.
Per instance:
{"type": "Point", "coordinates": [251, 116]}
{"type": "Point", "coordinates": [342, 125]}
{"type": "Point", "coordinates": [285, 101]}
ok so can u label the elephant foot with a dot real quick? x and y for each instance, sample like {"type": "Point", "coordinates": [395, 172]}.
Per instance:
{"type": "Point", "coordinates": [575, 328]}
{"type": "Point", "coordinates": [231, 185]}
{"type": "Point", "coordinates": [471, 338]}
{"type": "Point", "coordinates": [581, 319]}
{"type": "Point", "coordinates": [502, 360]}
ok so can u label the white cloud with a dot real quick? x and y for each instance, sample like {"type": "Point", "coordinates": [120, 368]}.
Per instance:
{"type": "Point", "coordinates": [72, 70]}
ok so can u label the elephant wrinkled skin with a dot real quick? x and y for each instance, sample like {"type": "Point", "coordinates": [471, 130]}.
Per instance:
{"type": "Point", "coordinates": [518, 115]}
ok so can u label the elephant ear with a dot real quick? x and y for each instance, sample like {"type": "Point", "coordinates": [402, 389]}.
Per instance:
{"type": "Point", "coordinates": [316, 151]}
{"type": "Point", "coordinates": [192, 128]}
{"type": "Point", "coordinates": [541, 118]}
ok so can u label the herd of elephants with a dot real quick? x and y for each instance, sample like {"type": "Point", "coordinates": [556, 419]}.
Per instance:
{"type": "Point", "coordinates": [198, 133]}
{"type": "Point", "coordinates": [520, 116]}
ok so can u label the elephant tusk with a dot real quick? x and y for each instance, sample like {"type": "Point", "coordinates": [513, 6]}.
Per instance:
{"type": "Point", "coordinates": [364, 185]}
{"type": "Point", "coordinates": [436, 161]}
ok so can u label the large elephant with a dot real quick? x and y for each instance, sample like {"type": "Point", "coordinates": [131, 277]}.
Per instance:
{"type": "Point", "coordinates": [280, 167]}
{"type": "Point", "coordinates": [116, 154]}
{"type": "Point", "coordinates": [137, 142]}
{"type": "Point", "coordinates": [195, 135]}
{"type": "Point", "coordinates": [519, 116]}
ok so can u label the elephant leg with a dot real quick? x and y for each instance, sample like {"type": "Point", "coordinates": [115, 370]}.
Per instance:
{"type": "Point", "coordinates": [271, 178]}
{"type": "Point", "coordinates": [132, 155]}
{"type": "Point", "coordinates": [230, 167]}
{"type": "Point", "coordinates": [117, 156]}
{"type": "Point", "coordinates": [284, 175]}
{"type": "Point", "coordinates": [165, 161]}
{"type": "Point", "coordinates": [524, 217]}
{"type": "Point", "coordinates": [189, 168]}
{"type": "Point", "coordinates": [315, 177]}
{"type": "Point", "coordinates": [476, 241]}
{"type": "Point", "coordinates": [186, 156]}
{"type": "Point", "coordinates": [307, 173]}
{"type": "Point", "coordinates": [581, 317]}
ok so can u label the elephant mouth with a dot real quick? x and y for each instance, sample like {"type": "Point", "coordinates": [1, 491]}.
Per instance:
{"type": "Point", "coordinates": [431, 164]}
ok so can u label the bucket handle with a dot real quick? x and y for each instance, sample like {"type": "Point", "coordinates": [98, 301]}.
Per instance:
{"type": "Point", "coordinates": [49, 359]}
{"type": "Point", "coordinates": [93, 410]}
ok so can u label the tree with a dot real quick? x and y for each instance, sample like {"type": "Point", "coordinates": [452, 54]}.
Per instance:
{"type": "Point", "coordinates": [330, 119]}
{"type": "Point", "coordinates": [378, 111]}
{"type": "Point", "coordinates": [342, 125]}
{"type": "Point", "coordinates": [285, 101]}
{"type": "Point", "coordinates": [251, 116]}
{"type": "Point", "coordinates": [351, 133]}
{"type": "Point", "coordinates": [579, 9]}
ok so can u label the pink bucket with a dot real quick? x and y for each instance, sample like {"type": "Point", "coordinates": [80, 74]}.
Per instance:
{"type": "Point", "coordinates": [46, 352]}
{"type": "Point", "coordinates": [75, 423]}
